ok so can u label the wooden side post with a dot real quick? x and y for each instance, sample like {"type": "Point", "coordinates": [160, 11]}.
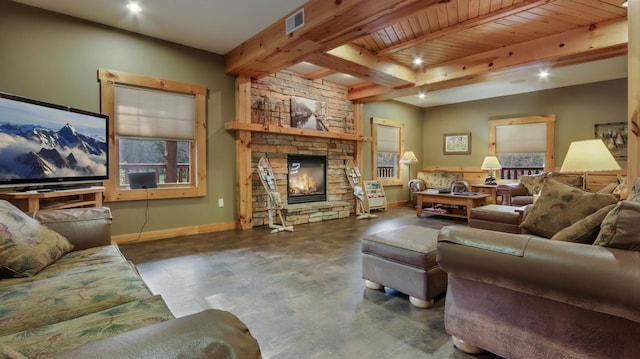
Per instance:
{"type": "Point", "coordinates": [633, 164]}
{"type": "Point", "coordinates": [243, 153]}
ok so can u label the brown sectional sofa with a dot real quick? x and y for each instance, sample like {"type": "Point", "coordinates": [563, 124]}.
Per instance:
{"type": "Point", "coordinates": [90, 302]}
{"type": "Point", "coordinates": [559, 295]}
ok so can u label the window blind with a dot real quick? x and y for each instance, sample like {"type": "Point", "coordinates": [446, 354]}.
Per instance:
{"type": "Point", "coordinates": [148, 113]}
{"type": "Point", "coordinates": [526, 138]}
{"type": "Point", "coordinates": [388, 139]}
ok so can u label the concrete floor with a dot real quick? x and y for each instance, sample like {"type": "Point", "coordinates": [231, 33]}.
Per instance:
{"type": "Point", "coordinates": [300, 293]}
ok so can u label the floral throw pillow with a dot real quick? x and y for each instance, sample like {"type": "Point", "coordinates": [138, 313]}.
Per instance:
{"type": "Point", "coordinates": [26, 246]}
{"type": "Point", "coordinates": [585, 230]}
{"type": "Point", "coordinates": [560, 205]}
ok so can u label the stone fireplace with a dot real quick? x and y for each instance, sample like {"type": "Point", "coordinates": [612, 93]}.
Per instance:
{"type": "Point", "coordinates": [306, 179]}
{"type": "Point", "coordinates": [270, 109]}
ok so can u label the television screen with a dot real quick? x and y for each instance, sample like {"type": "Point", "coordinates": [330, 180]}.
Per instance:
{"type": "Point", "coordinates": [44, 144]}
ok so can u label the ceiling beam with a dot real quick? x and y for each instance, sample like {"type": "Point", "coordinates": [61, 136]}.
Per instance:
{"type": "Point", "coordinates": [592, 42]}
{"type": "Point", "coordinates": [328, 24]}
{"type": "Point", "coordinates": [361, 71]}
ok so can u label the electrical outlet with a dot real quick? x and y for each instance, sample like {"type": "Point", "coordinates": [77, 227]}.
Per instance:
{"type": "Point", "coordinates": [220, 202]}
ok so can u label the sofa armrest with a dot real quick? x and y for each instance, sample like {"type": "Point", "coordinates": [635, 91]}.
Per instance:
{"type": "Point", "coordinates": [83, 227]}
{"type": "Point", "coordinates": [592, 277]}
{"type": "Point", "coordinates": [208, 334]}
{"type": "Point", "coordinates": [508, 191]}
{"type": "Point", "coordinates": [416, 185]}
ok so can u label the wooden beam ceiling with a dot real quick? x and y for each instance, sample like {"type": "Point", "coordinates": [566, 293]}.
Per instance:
{"type": "Point", "coordinates": [331, 27]}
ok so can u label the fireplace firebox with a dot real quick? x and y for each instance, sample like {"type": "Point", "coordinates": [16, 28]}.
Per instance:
{"type": "Point", "coordinates": [306, 179]}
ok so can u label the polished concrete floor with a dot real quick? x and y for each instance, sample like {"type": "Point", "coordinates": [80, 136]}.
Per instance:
{"type": "Point", "coordinates": [300, 293]}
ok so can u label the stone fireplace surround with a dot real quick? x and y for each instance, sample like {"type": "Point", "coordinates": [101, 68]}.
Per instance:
{"type": "Point", "coordinates": [276, 148]}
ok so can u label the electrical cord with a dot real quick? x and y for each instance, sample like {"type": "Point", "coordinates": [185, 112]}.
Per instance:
{"type": "Point", "coordinates": [146, 213]}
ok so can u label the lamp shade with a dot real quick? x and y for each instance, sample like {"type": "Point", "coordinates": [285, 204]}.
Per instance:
{"type": "Point", "coordinates": [490, 163]}
{"type": "Point", "coordinates": [589, 156]}
{"type": "Point", "coordinates": [408, 158]}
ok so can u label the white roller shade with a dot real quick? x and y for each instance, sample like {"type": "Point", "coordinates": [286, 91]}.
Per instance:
{"type": "Point", "coordinates": [145, 113]}
{"type": "Point", "coordinates": [388, 139]}
{"type": "Point", "coordinates": [527, 138]}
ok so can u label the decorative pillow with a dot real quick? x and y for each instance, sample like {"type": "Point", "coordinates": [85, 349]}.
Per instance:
{"type": "Point", "coordinates": [585, 230]}
{"type": "Point", "coordinates": [622, 190]}
{"type": "Point", "coordinates": [620, 227]}
{"type": "Point", "coordinates": [609, 188]}
{"type": "Point", "coordinates": [560, 206]}
{"type": "Point", "coordinates": [634, 194]}
{"type": "Point", "coordinates": [571, 180]}
{"type": "Point", "coordinates": [26, 246]}
{"type": "Point", "coordinates": [533, 183]}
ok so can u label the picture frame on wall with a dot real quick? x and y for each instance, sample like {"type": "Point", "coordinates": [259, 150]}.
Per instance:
{"type": "Point", "coordinates": [614, 135]}
{"type": "Point", "coordinates": [457, 143]}
{"type": "Point", "coordinates": [309, 114]}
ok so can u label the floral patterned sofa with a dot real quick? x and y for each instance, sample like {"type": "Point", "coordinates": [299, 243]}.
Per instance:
{"type": "Point", "coordinates": [437, 179]}
{"type": "Point", "coordinates": [65, 291]}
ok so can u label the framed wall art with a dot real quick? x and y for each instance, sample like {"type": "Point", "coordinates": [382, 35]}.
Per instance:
{"type": "Point", "coordinates": [614, 136]}
{"type": "Point", "coordinates": [309, 114]}
{"type": "Point", "coordinates": [457, 143]}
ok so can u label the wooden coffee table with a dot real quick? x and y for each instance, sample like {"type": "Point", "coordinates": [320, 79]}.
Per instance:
{"type": "Point", "coordinates": [467, 200]}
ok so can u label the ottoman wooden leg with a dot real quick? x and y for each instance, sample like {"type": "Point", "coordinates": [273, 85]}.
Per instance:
{"type": "Point", "coordinates": [373, 285]}
{"type": "Point", "coordinates": [421, 303]}
{"type": "Point", "coordinates": [464, 346]}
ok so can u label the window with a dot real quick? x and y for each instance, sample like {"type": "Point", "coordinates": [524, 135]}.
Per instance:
{"type": "Point", "coordinates": [155, 126]}
{"type": "Point", "coordinates": [524, 145]}
{"type": "Point", "coordinates": [387, 147]}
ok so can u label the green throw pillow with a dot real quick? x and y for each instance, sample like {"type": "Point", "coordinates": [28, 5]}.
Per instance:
{"type": "Point", "coordinates": [26, 246]}
{"type": "Point", "coordinates": [585, 230]}
{"type": "Point", "coordinates": [560, 205]}
{"type": "Point", "coordinates": [619, 229]}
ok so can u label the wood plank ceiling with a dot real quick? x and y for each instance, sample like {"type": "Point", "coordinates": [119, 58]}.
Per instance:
{"type": "Point", "coordinates": [459, 41]}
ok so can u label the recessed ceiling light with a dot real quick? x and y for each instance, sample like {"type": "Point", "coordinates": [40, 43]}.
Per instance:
{"type": "Point", "coordinates": [543, 74]}
{"type": "Point", "coordinates": [134, 7]}
{"type": "Point", "coordinates": [421, 95]}
{"type": "Point", "coordinates": [417, 61]}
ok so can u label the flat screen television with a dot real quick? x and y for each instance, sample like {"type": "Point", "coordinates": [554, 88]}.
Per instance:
{"type": "Point", "coordinates": [47, 145]}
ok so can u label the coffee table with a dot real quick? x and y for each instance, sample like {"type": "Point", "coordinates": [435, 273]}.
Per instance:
{"type": "Point", "coordinates": [469, 200]}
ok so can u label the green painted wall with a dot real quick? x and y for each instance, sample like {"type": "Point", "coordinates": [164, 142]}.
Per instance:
{"type": "Point", "coordinates": [412, 118]}
{"type": "Point", "coordinates": [55, 58]}
{"type": "Point", "coordinates": [577, 110]}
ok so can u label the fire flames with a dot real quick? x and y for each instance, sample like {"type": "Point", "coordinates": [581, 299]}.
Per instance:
{"type": "Point", "coordinates": [303, 184]}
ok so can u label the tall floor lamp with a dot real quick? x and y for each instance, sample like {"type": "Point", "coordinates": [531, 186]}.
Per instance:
{"type": "Point", "coordinates": [588, 156]}
{"type": "Point", "coordinates": [408, 158]}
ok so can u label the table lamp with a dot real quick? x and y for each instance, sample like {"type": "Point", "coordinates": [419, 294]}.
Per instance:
{"type": "Point", "coordinates": [588, 156]}
{"type": "Point", "coordinates": [490, 163]}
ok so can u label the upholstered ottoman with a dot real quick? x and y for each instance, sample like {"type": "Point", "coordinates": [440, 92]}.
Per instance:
{"type": "Point", "coordinates": [497, 218]}
{"type": "Point", "coordinates": [404, 259]}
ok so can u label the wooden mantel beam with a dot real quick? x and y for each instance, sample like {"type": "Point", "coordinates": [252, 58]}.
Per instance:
{"type": "Point", "coordinates": [602, 40]}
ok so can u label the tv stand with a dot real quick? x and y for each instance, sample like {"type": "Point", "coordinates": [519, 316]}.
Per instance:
{"type": "Point", "coordinates": [42, 199]}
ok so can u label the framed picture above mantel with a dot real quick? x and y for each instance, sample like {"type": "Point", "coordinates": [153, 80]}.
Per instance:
{"type": "Point", "coordinates": [457, 143]}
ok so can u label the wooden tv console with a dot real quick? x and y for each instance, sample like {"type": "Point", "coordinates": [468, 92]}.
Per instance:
{"type": "Point", "coordinates": [31, 201]}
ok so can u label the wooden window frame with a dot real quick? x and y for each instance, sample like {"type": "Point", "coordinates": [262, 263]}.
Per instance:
{"type": "Point", "coordinates": [375, 122]}
{"type": "Point", "coordinates": [197, 186]}
{"type": "Point", "coordinates": [550, 120]}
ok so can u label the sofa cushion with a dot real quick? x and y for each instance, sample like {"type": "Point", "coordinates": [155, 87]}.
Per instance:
{"type": "Point", "coordinates": [620, 227]}
{"type": "Point", "coordinates": [439, 179]}
{"type": "Point", "coordinates": [26, 246]}
{"type": "Point", "coordinates": [585, 230]}
{"type": "Point", "coordinates": [560, 206]}
{"type": "Point", "coordinates": [69, 295]}
{"type": "Point", "coordinates": [69, 334]}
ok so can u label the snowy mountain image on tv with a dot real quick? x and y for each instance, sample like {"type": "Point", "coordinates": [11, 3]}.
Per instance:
{"type": "Point", "coordinates": [38, 142]}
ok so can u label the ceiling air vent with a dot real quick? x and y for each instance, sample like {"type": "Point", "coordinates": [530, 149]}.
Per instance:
{"type": "Point", "coordinates": [294, 22]}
